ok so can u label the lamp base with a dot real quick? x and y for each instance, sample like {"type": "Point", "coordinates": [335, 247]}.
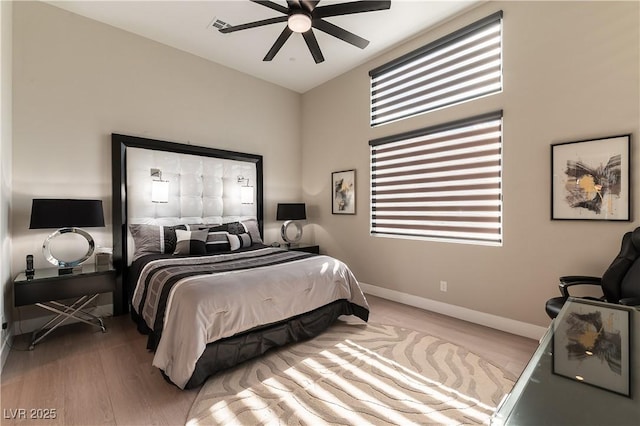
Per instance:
{"type": "Point", "coordinates": [66, 267]}
{"type": "Point", "coordinates": [284, 233]}
{"type": "Point", "coordinates": [65, 271]}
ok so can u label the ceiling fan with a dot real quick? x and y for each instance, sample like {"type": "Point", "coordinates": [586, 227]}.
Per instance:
{"type": "Point", "coordinates": [303, 15]}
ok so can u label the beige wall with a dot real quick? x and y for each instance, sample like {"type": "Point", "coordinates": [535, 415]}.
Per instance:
{"type": "Point", "coordinates": [6, 300]}
{"type": "Point", "coordinates": [76, 81]}
{"type": "Point", "coordinates": [571, 72]}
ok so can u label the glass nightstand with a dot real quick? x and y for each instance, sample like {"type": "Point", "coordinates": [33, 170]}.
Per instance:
{"type": "Point", "coordinates": [305, 248]}
{"type": "Point", "coordinates": [46, 288]}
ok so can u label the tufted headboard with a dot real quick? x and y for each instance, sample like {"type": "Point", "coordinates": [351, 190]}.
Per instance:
{"type": "Point", "coordinates": [204, 187]}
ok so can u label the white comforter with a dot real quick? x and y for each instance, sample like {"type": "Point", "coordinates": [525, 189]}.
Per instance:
{"type": "Point", "coordinates": [204, 308]}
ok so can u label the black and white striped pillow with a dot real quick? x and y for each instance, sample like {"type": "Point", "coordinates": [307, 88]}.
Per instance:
{"type": "Point", "coordinates": [239, 241]}
{"type": "Point", "coordinates": [217, 241]}
{"type": "Point", "coordinates": [191, 242]}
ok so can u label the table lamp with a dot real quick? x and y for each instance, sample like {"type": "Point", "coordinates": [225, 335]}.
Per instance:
{"type": "Point", "coordinates": [291, 213]}
{"type": "Point", "coordinates": [68, 216]}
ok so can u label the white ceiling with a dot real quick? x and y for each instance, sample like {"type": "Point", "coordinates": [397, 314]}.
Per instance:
{"type": "Point", "coordinates": [186, 25]}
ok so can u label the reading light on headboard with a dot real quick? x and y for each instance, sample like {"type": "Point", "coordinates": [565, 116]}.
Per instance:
{"type": "Point", "coordinates": [159, 187]}
{"type": "Point", "coordinates": [246, 191]}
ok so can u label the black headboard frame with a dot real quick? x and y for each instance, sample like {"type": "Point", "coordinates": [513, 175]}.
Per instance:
{"type": "Point", "coordinates": [119, 145]}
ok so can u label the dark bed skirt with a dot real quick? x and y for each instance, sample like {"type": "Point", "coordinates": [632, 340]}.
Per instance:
{"type": "Point", "coordinates": [234, 350]}
{"type": "Point", "coordinates": [231, 351]}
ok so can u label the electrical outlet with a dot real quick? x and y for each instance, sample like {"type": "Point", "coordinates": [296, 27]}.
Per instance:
{"type": "Point", "coordinates": [443, 286]}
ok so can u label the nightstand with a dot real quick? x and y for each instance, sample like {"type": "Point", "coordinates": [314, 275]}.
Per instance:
{"type": "Point", "coordinates": [306, 248]}
{"type": "Point", "coordinates": [46, 288]}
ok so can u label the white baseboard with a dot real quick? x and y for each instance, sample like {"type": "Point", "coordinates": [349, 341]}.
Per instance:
{"type": "Point", "coordinates": [499, 323]}
{"type": "Point", "coordinates": [33, 324]}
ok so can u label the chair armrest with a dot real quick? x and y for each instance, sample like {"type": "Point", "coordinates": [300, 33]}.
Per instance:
{"type": "Point", "coordinates": [571, 280]}
{"type": "Point", "coordinates": [630, 301]}
{"type": "Point", "coordinates": [580, 279]}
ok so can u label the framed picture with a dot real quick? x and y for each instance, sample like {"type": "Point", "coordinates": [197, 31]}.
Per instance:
{"type": "Point", "coordinates": [343, 198]}
{"type": "Point", "coordinates": [590, 179]}
{"type": "Point", "coordinates": [591, 344]}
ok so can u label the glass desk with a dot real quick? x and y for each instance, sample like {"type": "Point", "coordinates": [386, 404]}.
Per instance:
{"type": "Point", "coordinates": [549, 391]}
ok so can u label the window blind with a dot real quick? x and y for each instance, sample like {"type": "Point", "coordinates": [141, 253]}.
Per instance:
{"type": "Point", "coordinates": [464, 65]}
{"type": "Point", "coordinates": [442, 182]}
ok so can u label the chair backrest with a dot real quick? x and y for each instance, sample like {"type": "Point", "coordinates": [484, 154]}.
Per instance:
{"type": "Point", "coordinates": [622, 278]}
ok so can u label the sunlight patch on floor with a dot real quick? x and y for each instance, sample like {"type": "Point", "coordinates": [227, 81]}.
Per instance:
{"type": "Point", "coordinates": [372, 355]}
{"type": "Point", "coordinates": [385, 410]}
{"type": "Point", "coordinates": [330, 400]}
{"type": "Point", "coordinates": [353, 384]}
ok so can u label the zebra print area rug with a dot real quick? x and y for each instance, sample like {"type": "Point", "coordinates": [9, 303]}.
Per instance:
{"type": "Point", "coordinates": [356, 375]}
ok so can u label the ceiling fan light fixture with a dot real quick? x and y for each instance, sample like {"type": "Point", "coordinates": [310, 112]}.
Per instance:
{"type": "Point", "coordinates": [302, 15]}
{"type": "Point", "coordinates": [299, 22]}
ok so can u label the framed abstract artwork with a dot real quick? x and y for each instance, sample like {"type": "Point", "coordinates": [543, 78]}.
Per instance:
{"type": "Point", "coordinates": [590, 179]}
{"type": "Point", "coordinates": [591, 344]}
{"type": "Point", "coordinates": [343, 198]}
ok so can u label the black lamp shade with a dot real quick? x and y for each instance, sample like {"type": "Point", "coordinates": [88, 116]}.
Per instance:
{"type": "Point", "coordinates": [291, 211]}
{"type": "Point", "coordinates": [60, 213]}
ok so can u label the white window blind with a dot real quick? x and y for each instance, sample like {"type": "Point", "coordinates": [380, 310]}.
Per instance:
{"type": "Point", "coordinates": [442, 182]}
{"type": "Point", "coordinates": [464, 65]}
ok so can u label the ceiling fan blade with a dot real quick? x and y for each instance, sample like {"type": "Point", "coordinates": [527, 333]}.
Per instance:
{"type": "Point", "coordinates": [349, 8]}
{"type": "Point", "coordinates": [312, 44]}
{"type": "Point", "coordinates": [282, 38]}
{"type": "Point", "coordinates": [272, 5]}
{"type": "Point", "coordinates": [340, 33]}
{"type": "Point", "coordinates": [254, 24]}
{"type": "Point", "coordinates": [307, 5]}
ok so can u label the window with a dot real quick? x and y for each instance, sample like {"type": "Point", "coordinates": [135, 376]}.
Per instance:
{"type": "Point", "coordinates": [464, 65]}
{"type": "Point", "coordinates": [442, 182]}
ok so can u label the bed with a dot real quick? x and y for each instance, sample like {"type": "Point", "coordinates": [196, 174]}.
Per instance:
{"type": "Point", "coordinates": [194, 272]}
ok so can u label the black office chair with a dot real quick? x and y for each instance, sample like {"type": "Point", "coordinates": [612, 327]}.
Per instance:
{"type": "Point", "coordinates": [620, 283]}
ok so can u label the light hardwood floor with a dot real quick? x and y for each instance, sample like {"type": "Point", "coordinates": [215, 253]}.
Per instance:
{"type": "Point", "coordinates": [93, 378]}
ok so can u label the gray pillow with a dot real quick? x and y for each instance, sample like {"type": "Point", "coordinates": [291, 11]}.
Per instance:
{"type": "Point", "coordinates": [251, 225]}
{"type": "Point", "coordinates": [153, 239]}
